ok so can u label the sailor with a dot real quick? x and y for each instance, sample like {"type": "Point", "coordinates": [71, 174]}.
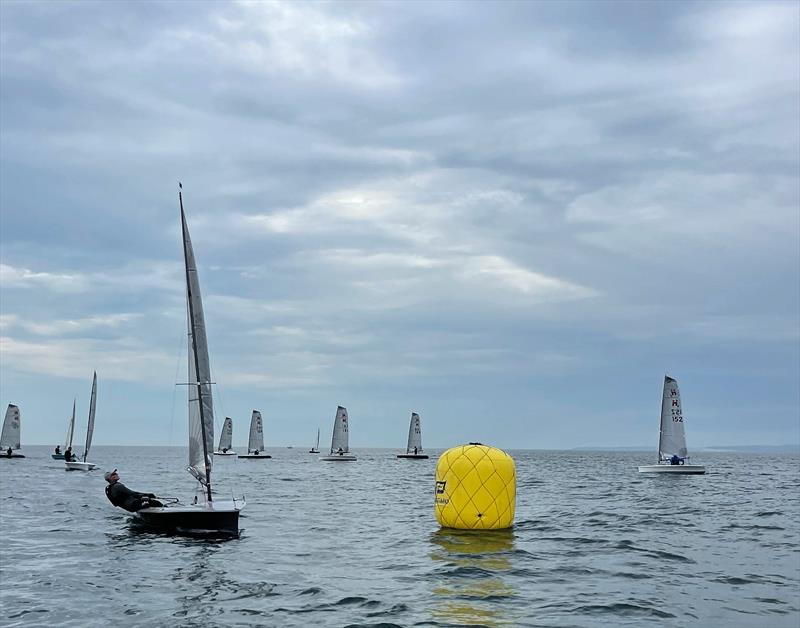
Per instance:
{"type": "Point", "coordinates": [9, 452]}
{"type": "Point", "coordinates": [340, 452]}
{"type": "Point", "coordinates": [123, 497]}
{"type": "Point", "coordinates": [58, 449]}
{"type": "Point", "coordinates": [415, 451]}
{"type": "Point", "coordinates": [676, 459]}
{"type": "Point", "coordinates": [255, 452]}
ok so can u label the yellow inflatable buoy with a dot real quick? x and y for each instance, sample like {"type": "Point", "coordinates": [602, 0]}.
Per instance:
{"type": "Point", "coordinates": [476, 488]}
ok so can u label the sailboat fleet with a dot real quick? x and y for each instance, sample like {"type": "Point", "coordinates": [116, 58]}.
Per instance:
{"type": "Point", "coordinates": [204, 514]}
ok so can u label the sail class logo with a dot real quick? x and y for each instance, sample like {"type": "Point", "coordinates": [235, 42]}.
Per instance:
{"type": "Point", "coordinates": [440, 487]}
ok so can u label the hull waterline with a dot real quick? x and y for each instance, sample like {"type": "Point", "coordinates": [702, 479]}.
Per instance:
{"type": "Point", "coordinates": [80, 466]}
{"type": "Point", "coordinates": [413, 456]}
{"type": "Point", "coordinates": [681, 469]}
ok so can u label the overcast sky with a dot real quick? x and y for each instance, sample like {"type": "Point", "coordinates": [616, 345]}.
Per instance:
{"type": "Point", "coordinates": [512, 218]}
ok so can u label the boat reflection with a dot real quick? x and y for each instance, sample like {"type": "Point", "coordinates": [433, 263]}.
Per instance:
{"type": "Point", "coordinates": [471, 587]}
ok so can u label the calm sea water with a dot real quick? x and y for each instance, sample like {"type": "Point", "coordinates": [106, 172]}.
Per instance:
{"type": "Point", "coordinates": [594, 544]}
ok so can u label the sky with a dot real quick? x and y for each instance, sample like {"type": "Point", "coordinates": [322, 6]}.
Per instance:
{"type": "Point", "coordinates": [513, 218]}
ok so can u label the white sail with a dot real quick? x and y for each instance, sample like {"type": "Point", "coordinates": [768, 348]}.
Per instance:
{"type": "Point", "coordinates": [317, 445]}
{"type": "Point", "coordinates": [201, 419]}
{"type": "Point", "coordinates": [90, 424]}
{"type": "Point", "coordinates": [414, 435]}
{"type": "Point", "coordinates": [341, 437]}
{"type": "Point", "coordinates": [672, 439]}
{"type": "Point", "coordinates": [226, 436]}
{"type": "Point", "coordinates": [256, 442]}
{"type": "Point", "coordinates": [11, 429]}
{"type": "Point", "coordinates": [70, 429]}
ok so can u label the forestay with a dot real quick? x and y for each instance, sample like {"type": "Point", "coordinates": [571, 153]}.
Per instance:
{"type": "Point", "coordinates": [414, 435]}
{"type": "Point", "coordinates": [256, 442]}
{"type": "Point", "coordinates": [90, 424]}
{"type": "Point", "coordinates": [11, 428]}
{"type": "Point", "coordinates": [341, 437]}
{"type": "Point", "coordinates": [672, 439]}
{"type": "Point", "coordinates": [201, 420]}
{"type": "Point", "coordinates": [226, 437]}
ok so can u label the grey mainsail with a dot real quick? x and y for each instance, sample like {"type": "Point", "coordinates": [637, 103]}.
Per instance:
{"type": "Point", "coordinates": [256, 440]}
{"type": "Point", "coordinates": [414, 435]}
{"type": "Point", "coordinates": [90, 424]}
{"type": "Point", "coordinates": [226, 436]}
{"type": "Point", "coordinates": [672, 438]}
{"type": "Point", "coordinates": [201, 411]}
{"type": "Point", "coordinates": [341, 437]}
{"type": "Point", "coordinates": [10, 435]}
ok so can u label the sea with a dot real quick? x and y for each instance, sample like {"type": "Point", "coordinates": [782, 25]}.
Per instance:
{"type": "Point", "coordinates": [594, 543]}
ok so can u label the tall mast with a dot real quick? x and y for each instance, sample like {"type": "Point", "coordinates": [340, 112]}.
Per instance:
{"type": "Point", "coordinates": [194, 346]}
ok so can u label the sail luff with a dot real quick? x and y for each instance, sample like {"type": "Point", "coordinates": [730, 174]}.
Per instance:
{"type": "Point", "coordinates": [661, 419]}
{"type": "Point", "coordinates": [90, 424]}
{"type": "Point", "coordinates": [71, 428]}
{"type": "Point", "coordinates": [10, 436]}
{"type": "Point", "coordinates": [201, 413]}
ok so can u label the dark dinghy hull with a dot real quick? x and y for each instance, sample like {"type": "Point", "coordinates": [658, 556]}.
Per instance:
{"type": "Point", "coordinates": [219, 519]}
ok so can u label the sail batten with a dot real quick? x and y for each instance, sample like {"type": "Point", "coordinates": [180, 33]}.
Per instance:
{"type": "Point", "coordinates": [672, 436]}
{"type": "Point", "coordinates": [201, 411]}
{"type": "Point", "coordinates": [10, 436]}
{"type": "Point", "coordinates": [90, 424]}
{"type": "Point", "coordinates": [256, 440]}
{"type": "Point", "coordinates": [414, 435]}
{"type": "Point", "coordinates": [341, 436]}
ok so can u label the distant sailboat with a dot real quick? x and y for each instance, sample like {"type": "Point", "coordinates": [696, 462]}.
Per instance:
{"type": "Point", "coordinates": [10, 436]}
{"type": "Point", "coordinates": [672, 439]}
{"type": "Point", "coordinates": [255, 444]}
{"type": "Point", "coordinates": [340, 441]}
{"type": "Point", "coordinates": [315, 448]}
{"type": "Point", "coordinates": [70, 432]}
{"type": "Point", "coordinates": [414, 447]}
{"type": "Point", "coordinates": [85, 465]}
{"type": "Point", "coordinates": [225, 439]}
{"type": "Point", "coordinates": [207, 517]}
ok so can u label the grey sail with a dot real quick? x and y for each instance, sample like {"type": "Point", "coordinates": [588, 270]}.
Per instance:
{"type": "Point", "coordinates": [90, 424]}
{"type": "Point", "coordinates": [672, 438]}
{"type": "Point", "coordinates": [226, 436]}
{"type": "Point", "coordinates": [201, 411]}
{"type": "Point", "coordinates": [70, 429]}
{"type": "Point", "coordinates": [341, 436]}
{"type": "Point", "coordinates": [256, 440]}
{"type": "Point", "coordinates": [414, 435]}
{"type": "Point", "coordinates": [10, 435]}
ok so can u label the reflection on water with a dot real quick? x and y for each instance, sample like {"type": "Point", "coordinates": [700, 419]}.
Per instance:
{"type": "Point", "coordinates": [471, 565]}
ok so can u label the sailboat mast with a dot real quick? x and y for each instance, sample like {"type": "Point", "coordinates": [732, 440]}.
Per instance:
{"type": "Point", "coordinates": [194, 347]}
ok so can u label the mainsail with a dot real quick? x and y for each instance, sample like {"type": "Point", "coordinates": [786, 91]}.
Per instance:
{"type": "Point", "coordinates": [414, 435]}
{"type": "Point", "coordinates": [256, 441]}
{"type": "Point", "coordinates": [226, 437]}
{"type": "Point", "coordinates": [70, 429]}
{"type": "Point", "coordinates": [90, 424]}
{"type": "Point", "coordinates": [201, 411]}
{"type": "Point", "coordinates": [672, 439]}
{"type": "Point", "coordinates": [11, 428]}
{"type": "Point", "coordinates": [340, 439]}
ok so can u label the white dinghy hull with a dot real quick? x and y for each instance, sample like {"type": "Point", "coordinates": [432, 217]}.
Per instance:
{"type": "Point", "coordinates": [224, 453]}
{"type": "Point", "coordinates": [339, 458]}
{"type": "Point", "coordinates": [695, 469]}
{"type": "Point", "coordinates": [212, 519]}
{"type": "Point", "coordinates": [80, 466]}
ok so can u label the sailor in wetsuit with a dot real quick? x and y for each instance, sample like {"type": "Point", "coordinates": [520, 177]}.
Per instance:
{"type": "Point", "coordinates": [123, 497]}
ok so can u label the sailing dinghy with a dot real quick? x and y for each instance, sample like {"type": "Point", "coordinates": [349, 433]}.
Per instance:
{"type": "Point", "coordinates": [70, 432]}
{"type": "Point", "coordinates": [414, 447]}
{"type": "Point", "coordinates": [10, 436]}
{"type": "Point", "coordinates": [205, 516]}
{"type": "Point", "coordinates": [84, 465]}
{"type": "Point", "coordinates": [225, 439]}
{"type": "Point", "coordinates": [672, 438]}
{"type": "Point", "coordinates": [255, 444]}
{"type": "Point", "coordinates": [315, 448]}
{"type": "Point", "coordinates": [340, 441]}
